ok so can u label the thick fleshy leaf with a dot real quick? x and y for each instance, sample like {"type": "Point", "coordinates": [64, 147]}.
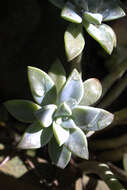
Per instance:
{"type": "Point", "coordinates": [58, 74]}
{"type": "Point", "coordinates": [59, 155]}
{"type": "Point", "coordinates": [103, 34]}
{"type": "Point", "coordinates": [74, 41]}
{"type": "Point", "coordinates": [67, 123]}
{"type": "Point", "coordinates": [90, 118]}
{"type": "Point", "coordinates": [114, 13]}
{"type": "Point", "coordinates": [45, 115]}
{"type": "Point", "coordinates": [60, 133]}
{"type": "Point", "coordinates": [58, 3]}
{"type": "Point", "coordinates": [40, 84]}
{"type": "Point", "coordinates": [32, 137]}
{"type": "Point", "coordinates": [63, 111]}
{"type": "Point", "coordinates": [77, 143]}
{"type": "Point", "coordinates": [35, 137]}
{"type": "Point", "coordinates": [92, 92]}
{"type": "Point", "coordinates": [93, 18]}
{"type": "Point", "coordinates": [69, 13]}
{"type": "Point", "coordinates": [73, 89]}
{"type": "Point", "coordinates": [125, 162]}
{"type": "Point", "coordinates": [22, 110]}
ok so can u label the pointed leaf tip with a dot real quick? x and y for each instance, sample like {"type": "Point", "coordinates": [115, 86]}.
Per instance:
{"type": "Point", "coordinates": [22, 110]}
{"type": "Point", "coordinates": [72, 90]}
{"type": "Point", "coordinates": [40, 83]}
{"type": "Point", "coordinates": [103, 34]}
{"type": "Point", "coordinates": [59, 155]}
{"type": "Point", "coordinates": [69, 13]}
{"type": "Point", "coordinates": [74, 41]}
{"type": "Point", "coordinates": [77, 143]}
{"type": "Point", "coordinates": [91, 119]}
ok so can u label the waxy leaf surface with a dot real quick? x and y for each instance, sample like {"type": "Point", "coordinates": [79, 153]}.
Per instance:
{"type": "Point", "coordinates": [22, 110]}
{"type": "Point", "coordinates": [102, 34]}
{"type": "Point", "coordinates": [92, 92]}
{"type": "Point", "coordinates": [45, 115]}
{"type": "Point", "coordinates": [90, 118]}
{"type": "Point", "coordinates": [60, 133]}
{"type": "Point", "coordinates": [58, 74]}
{"type": "Point", "coordinates": [35, 137]}
{"type": "Point", "coordinates": [69, 13]}
{"type": "Point", "coordinates": [59, 155]}
{"type": "Point", "coordinates": [74, 41]}
{"type": "Point", "coordinates": [77, 143]}
{"type": "Point", "coordinates": [40, 84]}
{"type": "Point", "coordinates": [73, 89]}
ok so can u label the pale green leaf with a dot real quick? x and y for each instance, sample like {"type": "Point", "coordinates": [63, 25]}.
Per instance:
{"type": "Point", "coordinates": [103, 34]}
{"type": "Point", "coordinates": [22, 110]}
{"type": "Point", "coordinates": [35, 137]}
{"type": "Point", "coordinates": [59, 155]}
{"type": "Point", "coordinates": [67, 123]}
{"type": "Point", "coordinates": [73, 89]}
{"type": "Point", "coordinates": [77, 143]}
{"type": "Point", "coordinates": [93, 18]}
{"type": "Point", "coordinates": [90, 118]}
{"type": "Point", "coordinates": [115, 13]}
{"type": "Point", "coordinates": [74, 41]}
{"type": "Point", "coordinates": [92, 91]}
{"type": "Point", "coordinates": [40, 84]}
{"type": "Point", "coordinates": [60, 133]}
{"type": "Point", "coordinates": [69, 13]}
{"type": "Point", "coordinates": [45, 115]}
{"type": "Point", "coordinates": [58, 75]}
{"type": "Point", "coordinates": [32, 137]}
{"type": "Point", "coordinates": [63, 110]}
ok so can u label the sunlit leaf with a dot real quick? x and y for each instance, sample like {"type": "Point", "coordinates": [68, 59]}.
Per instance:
{"type": "Point", "coordinates": [74, 41]}
{"type": "Point", "coordinates": [67, 123]}
{"type": "Point", "coordinates": [59, 155]}
{"type": "Point", "coordinates": [63, 111]}
{"type": "Point", "coordinates": [73, 89]}
{"type": "Point", "coordinates": [58, 75]}
{"type": "Point", "coordinates": [60, 133]}
{"type": "Point", "coordinates": [93, 18]}
{"type": "Point", "coordinates": [35, 137]}
{"type": "Point", "coordinates": [69, 13]}
{"type": "Point", "coordinates": [22, 110]}
{"type": "Point", "coordinates": [40, 83]}
{"type": "Point", "coordinates": [92, 91]}
{"type": "Point", "coordinates": [77, 143]}
{"type": "Point", "coordinates": [90, 118]}
{"type": "Point", "coordinates": [32, 137]}
{"type": "Point", "coordinates": [102, 34]}
{"type": "Point", "coordinates": [45, 115]}
{"type": "Point", "coordinates": [114, 13]}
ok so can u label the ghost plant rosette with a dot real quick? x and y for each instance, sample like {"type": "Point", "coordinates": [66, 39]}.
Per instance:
{"type": "Point", "coordinates": [88, 14]}
{"type": "Point", "coordinates": [61, 115]}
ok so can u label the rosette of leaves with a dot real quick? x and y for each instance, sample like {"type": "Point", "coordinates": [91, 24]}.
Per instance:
{"type": "Point", "coordinates": [61, 115]}
{"type": "Point", "coordinates": [88, 14]}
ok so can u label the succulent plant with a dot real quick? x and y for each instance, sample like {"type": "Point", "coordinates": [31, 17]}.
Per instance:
{"type": "Point", "coordinates": [62, 115]}
{"type": "Point", "coordinates": [88, 14]}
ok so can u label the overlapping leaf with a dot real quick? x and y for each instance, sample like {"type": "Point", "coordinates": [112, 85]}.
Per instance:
{"type": "Point", "coordinates": [90, 118]}
{"type": "Point", "coordinates": [73, 89]}
{"type": "Point", "coordinates": [59, 155]}
{"type": "Point", "coordinates": [22, 110]}
{"type": "Point", "coordinates": [74, 41]}
{"type": "Point", "coordinates": [40, 84]}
